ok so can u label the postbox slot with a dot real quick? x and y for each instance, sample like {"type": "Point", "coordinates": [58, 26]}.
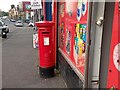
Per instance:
{"type": "Point", "coordinates": [45, 32]}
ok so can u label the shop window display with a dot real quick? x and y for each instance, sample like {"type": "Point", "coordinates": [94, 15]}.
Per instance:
{"type": "Point", "coordinates": [72, 28]}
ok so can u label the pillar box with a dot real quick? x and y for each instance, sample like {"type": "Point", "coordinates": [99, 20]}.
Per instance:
{"type": "Point", "coordinates": [46, 48]}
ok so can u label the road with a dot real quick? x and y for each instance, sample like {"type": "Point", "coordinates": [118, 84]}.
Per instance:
{"type": "Point", "coordinates": [20, 60]}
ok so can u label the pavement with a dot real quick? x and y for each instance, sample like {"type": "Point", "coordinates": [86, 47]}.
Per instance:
{"type": "Point", "coordinates": [20, 60]}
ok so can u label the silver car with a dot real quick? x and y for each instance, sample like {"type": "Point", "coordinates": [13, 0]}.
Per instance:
{"type": "Point", "coordinates": [19, 24]}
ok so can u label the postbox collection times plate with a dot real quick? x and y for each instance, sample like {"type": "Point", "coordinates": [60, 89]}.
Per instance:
{"type": "Point", "coordinates": [46, 41]}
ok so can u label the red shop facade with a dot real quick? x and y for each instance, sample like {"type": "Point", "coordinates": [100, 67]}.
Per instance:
{"type": "Point", "coordinates": [85, 35]}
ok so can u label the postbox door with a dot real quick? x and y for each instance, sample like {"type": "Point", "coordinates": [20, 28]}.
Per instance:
{"type": "Point", "coordinates": [46, 49]}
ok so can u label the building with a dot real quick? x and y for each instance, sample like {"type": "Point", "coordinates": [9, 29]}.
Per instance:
{"type": "Point", "coordinates": [21, 11]}
{"type": "Point", "coordinates": [13, 12]}
{"type": "Point", "coordinates": [24, 10]}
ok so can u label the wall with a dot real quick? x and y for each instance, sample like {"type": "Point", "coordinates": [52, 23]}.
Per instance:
{"type": "Point", "coordinates": [68, 73]}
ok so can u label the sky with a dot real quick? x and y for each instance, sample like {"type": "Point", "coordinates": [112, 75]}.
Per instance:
{"type": "Point", "coordinates": [5, 5]}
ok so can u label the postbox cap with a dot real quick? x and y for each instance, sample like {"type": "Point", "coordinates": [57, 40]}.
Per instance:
{"type": "Point", "coordinates": [45, 24]}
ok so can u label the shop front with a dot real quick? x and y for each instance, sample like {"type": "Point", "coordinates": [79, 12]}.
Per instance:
{"type": "Point", "coordinates": [82, 50]}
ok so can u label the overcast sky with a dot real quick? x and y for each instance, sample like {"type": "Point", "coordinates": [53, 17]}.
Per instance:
{"type": "Point", "coordinates": [6, 4]}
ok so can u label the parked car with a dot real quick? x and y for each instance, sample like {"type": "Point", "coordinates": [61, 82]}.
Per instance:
{"type": "Point", "coordinates": [3, 30]}
{"type": "Point", "coordinates": [3, 25]}
{"type": "Point", "coordinates": [4, 17]}
{"type": "Point", "coordinates": [31, 24]}
{"type": "Point", "coordinates": [12, 20]}
{"type": "Point", "coordinates": [19, 23]}
{"type": "Point", "coordinates": [27, 21]}
{"type": "Point", "coordinates": [0, 18]}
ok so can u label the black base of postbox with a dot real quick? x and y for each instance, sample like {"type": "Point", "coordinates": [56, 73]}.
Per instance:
{"type": "Point", "coordinates": [47, 72]}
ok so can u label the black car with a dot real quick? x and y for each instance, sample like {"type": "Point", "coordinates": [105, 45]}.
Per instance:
{"type": "Point", "coordinates": [3, 26]}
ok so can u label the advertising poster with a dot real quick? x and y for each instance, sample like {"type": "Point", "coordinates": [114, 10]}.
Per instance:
{"type": "Point", "coordinates": [76, 24]}
{"type": "Point", "coordinates": [35, 40]}
{"type": "Point", "coordinates": [68, 41]}
{"type": "Point", "coordinates": [72, 28]}
{"type": "Point", "coordinates": [79, 45]}
{"type": "Point", "coordinates": [62, 25]}
{"type": "Point", "coordinates": [26, 6]}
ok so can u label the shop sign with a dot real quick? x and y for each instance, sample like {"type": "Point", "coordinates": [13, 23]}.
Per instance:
{"type": "Point", "coordinates": [36, 4]}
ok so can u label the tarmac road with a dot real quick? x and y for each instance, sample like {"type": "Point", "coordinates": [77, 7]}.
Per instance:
{"type": "Point", "coordinates": [20, 60]}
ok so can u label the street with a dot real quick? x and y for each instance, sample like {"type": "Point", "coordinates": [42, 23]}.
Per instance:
{"type": "Point", "coordinates": [20, 60]}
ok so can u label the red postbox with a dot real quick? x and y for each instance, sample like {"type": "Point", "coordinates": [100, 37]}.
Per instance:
{"type": "Point", "coordinates": [46, 48]}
